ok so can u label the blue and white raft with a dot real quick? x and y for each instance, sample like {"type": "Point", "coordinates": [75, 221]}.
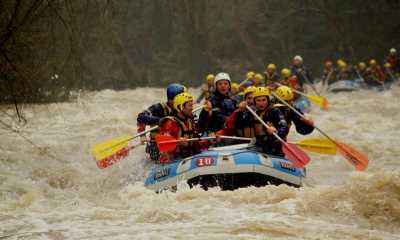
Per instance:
{"type": "Point", "coordinates": [228, 168]}
{"type": "Point", "coordinates": [345, 86]}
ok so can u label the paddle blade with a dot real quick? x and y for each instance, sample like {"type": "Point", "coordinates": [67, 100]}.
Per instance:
{"type": "Point", "coordinates": [110, 160]}
{"type": "Point", "coordinates": [109, 147]}
{"type": "Point", "coordinates": [297, 156]}
{"type": "Point", "coordinates": [166, 143]}
{"type": "Point", "coordinates": [318, 145]}
{"type": "Point", "coordinates": [359, 160]}
{"type": "Point", "coordinates": [108, 152]}
{"type": "Point", "coordinates": [319, 100]}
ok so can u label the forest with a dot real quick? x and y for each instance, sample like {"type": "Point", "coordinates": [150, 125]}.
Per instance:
{"type": "Point", "coordinates": [50, 48]}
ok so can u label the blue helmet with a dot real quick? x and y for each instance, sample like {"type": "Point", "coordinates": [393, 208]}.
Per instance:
{"type": "Point", "coordinates": [174, 89]}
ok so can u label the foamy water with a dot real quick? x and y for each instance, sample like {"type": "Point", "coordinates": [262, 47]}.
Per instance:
{"type": "Point", "coordinates": [53, 189]}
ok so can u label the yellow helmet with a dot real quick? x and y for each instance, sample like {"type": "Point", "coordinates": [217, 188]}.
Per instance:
{"type": "Point", "coordinates": [261, 91]}
{"type": "Point", "coordinates": [342, 63]}
{"type": "Point", "coordinates": [248, 90]}
{"type": "Point", "coordinates": [372, 62]}
{"type": "Point", "coordinates": [271, 66]}
{"type": "Point", "coordinates": [285, 93]}
{"type": "Point", "coordinates": [286, 72]}
{"type": "Point", "coordinates": [387, 65]}
{"type": "Point", "coordinates": [339, 62]}
{"type": "Point", "coordinates": [210, 77]}
{"type": "Point", "coordinates": [235, 86]}
{"type": "Point", "coordinates": [362, 65]}
{"type": "Point", "coordinates": [259, 76]}
{"type": "Point", "coordinates": [181, 99]}
{"type": "Point", "coordinates": [250, 75]}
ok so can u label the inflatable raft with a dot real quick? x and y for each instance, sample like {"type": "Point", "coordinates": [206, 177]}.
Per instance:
{"type": "Point", "coordinates": [228, 168]}
{"type": "Point", "coordinates": [345, 86]}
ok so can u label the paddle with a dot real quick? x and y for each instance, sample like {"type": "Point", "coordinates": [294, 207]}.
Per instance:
{"type": "Point", "coordinates": [359, 160]}
{"type": "Point", "coordinates": [297, 156]}
{"type": "Point", "coordinates": [318, 145]}
{"type": "Point", "coordinates": [167, 143]}
{"type": "Point", "coordinates": [325, 81]}
{"type": "Point", "coordinates": [311, 84]}
{"type": "Point", "coordinates": [110, 151]}
{"type": "Point", "coordinates": [318, 100]}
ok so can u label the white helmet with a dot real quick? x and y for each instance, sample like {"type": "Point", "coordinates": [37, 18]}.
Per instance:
{"type": "Point", "coordinates": [298, 58]}
{"type": "Point", "coordinates": [393, 50]}
{"type": "Point", "coordinates": [221, 76]}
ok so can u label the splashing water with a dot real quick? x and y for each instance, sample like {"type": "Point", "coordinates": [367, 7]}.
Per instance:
{"type": "Point", "coordinates": [55, 191]}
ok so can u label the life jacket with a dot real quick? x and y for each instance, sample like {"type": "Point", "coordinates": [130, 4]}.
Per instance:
{"type": "Point", "coordinates": [393, 61]}
{"type": "Point", "coordinates": [293, 83]}
{"type": "Point", "coordinates": [376, 73]}
{"type": "Point", "coordinates": [186, 130]}
{"type": "Point", "coordinates": [246, 129]}
{"type": "Point", "coordinates": [168, 111]}
{"type": "Point", "coordinates": [260, 131]}
{"type": "Point", "coordinates": [285, 110]}
{"type": "Point", "coordinates": [270, 78]}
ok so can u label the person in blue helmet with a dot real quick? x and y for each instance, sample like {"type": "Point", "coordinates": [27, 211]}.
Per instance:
{"type": "Point", "coordinates": [152, 115]}
{"type": "Point", "coordinates": [222, 104]}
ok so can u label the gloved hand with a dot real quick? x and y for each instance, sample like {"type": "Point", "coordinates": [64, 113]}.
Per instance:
{"type": "Point", "coordinates": [242, 106]}
{"type": "Point", "coordinates": [143, 139]}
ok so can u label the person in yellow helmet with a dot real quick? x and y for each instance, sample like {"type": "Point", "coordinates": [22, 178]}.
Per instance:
{"type": "Point", "coordinates": [181, 125]}
{"type": "Point", "coordinates": [361, 70]}
{"type": "Point", "coordinates": [234, 89]}
{"type": "Point", "coordinates": [288, 79]}
{"type": "Point", "coordinates": [389, 75]}
{"type": "Point", "coordinates": [207, 88]}
{"type": "Point", "coordinates": [271, 75]}
{"type": "Point", "coordinates": [258, 80]}
{"type": "Point", "coordinates": [329, 74]}
{"type": "Point", "coordinates": [235, 94]}
{"type": "Point", "coordinates": [248, 95]}
{"type": "Point", "coordinates": [246, 125]}
{"type": "Point", "coordinates": [303, 126]}
{"type": "Point", "coordinates": [252, 79]}
{"type": "Point", "coordinates": [375, 75]}
{"type": "Point", "coordinates": [151, 117]}
{"type": "Point", "coordinates": [344, 71]}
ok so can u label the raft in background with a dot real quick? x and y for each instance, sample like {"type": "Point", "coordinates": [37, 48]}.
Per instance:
{"type": "Point", "coordinates": [345, 86]}
{"type": "Point", "coordinates": [357, 84]}
{"type": "Point", "coordinates": [228, 168]}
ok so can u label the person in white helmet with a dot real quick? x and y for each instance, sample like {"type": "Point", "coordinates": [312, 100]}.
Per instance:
{"type": "Point", "coordinates": [302, 74]}
{"type": "Point", "coordinates": [222, 104]}
{"type": "Point", "coordinates": [393, 60]}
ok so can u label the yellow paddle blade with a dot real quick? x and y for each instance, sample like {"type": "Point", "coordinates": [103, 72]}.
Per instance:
{"type": "Point", "coordinates": [319, 100]}
{"type": "Point", "coordinates": [318, 145]}
{"type": "Point", "coordinates": [108, 148]}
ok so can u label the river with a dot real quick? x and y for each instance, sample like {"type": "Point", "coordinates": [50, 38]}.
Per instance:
{"type": "Point", "coordinates": [50, 187]}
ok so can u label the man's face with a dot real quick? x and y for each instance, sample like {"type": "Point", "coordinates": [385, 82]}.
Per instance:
{"type": "Point", "coordinates": [188, 108]}
{"type": "Point", "coordinates": [297, 62]}
{"type": "Point", "coordinates": [223, 87]}
{"type": "Point", "coordinates": [261, 102]}
{"type": "Point", "coordinates": [249, 99]}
